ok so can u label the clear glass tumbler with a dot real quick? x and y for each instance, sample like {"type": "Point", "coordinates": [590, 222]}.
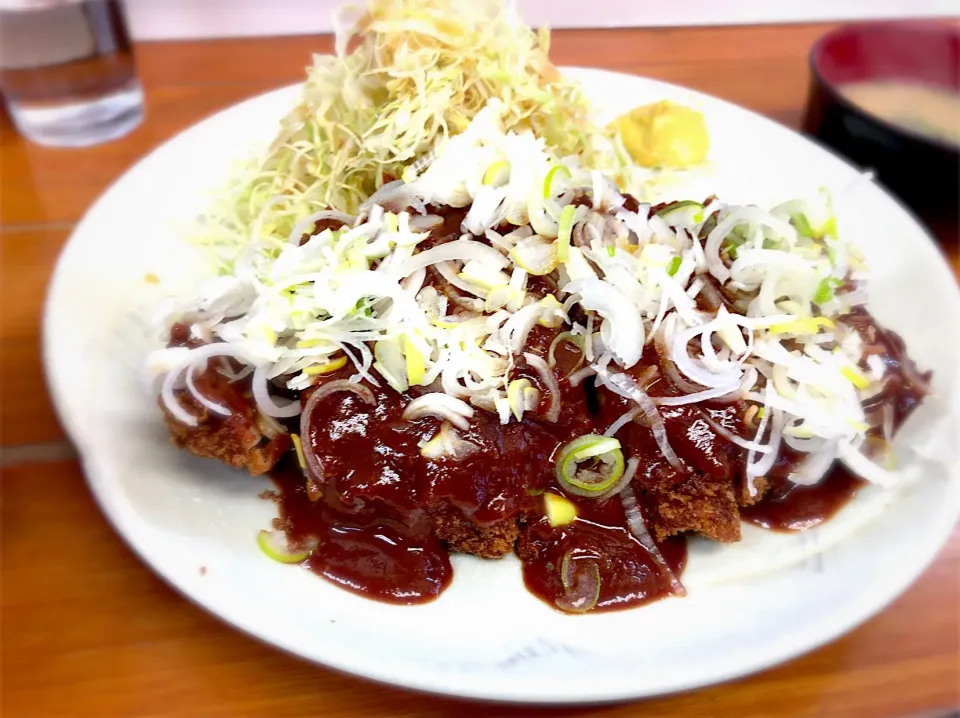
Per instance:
{"type": "Point", "coordinates": [67, 74]}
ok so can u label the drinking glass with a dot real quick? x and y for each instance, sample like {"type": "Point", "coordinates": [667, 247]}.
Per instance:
{"type": "Point", "coordinates": [67, 74]}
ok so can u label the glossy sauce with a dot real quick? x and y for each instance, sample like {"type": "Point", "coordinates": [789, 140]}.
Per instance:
{"type": "Point", "coordinates": [391, 556]}
{"type": "Point", "coordinates": [375, 520]}
{"type": "Point", "coordinates": [792, 507]}
{"type": "Point", "coordinates": [372, 522]}
{"type": "Point", "coordinates": [629, 574]}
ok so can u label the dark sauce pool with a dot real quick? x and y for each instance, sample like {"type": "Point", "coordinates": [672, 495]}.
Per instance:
{"type": "Point", "coordinates": [384, 521]}
{"type": "Point", "coordinates": [375, 523]}
{"type": "Point", "coordinates": [390, 558]}
{"type": "Point", "coordinates": [394, 556]}
{"type": "Point", "coordinates": [629, 573]}
{"type": "Point", "coordinates": [398, 559]}
{"type": "Point", "coordinates": [381, 525]}
{"type": "Point", "coordinates": [791, 507]}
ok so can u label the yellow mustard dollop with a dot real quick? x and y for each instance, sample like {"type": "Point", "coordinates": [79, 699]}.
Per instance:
{"type": "Point", "coordinates": [665, 134]}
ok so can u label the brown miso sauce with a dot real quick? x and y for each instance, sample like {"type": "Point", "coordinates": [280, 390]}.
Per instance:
{"type": "Point", "coordinates": [375, 520]}
{"type": "Point", "coordinates": [629, 573]}
{"type": "Point", "coordinates": [373, 526]}
{"type": "Point", "coordinates": [791, 507]}
{"type": "Point", "coordinates": [375, 556]}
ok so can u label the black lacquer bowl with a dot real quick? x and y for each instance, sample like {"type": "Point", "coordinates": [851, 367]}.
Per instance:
{"type": "Point", "coordinates": [922, 170]}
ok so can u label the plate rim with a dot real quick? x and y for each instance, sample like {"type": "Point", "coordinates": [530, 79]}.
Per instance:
{"type": "Point", "coordinates": [829, 630]}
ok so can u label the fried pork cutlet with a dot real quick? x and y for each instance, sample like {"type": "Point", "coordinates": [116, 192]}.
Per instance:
{"type": "Point", "coordinates": [243, 440]}
{"type": "Point", "coordinates": [462, 534]}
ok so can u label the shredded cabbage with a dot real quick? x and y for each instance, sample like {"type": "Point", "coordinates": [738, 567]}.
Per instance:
{"type": "Point", "coordinates": [418, 72]}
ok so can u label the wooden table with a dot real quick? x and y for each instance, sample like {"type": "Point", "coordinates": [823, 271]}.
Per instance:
{"type": "Point", "coordinates": [89, 631]}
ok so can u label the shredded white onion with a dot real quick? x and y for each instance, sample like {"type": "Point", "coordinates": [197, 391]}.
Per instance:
{"type": "Point", "coordinates": [450, 274]}
{"type": "Point", "coordinates": [622, 421]}
{"type": "Point", "coordinates": [187, 361]}
{"type": "Point", "coordinates": [280, 308]}
{"type": "Point", "coordinates": [694, 369]}
{"type": "Point", "coordinates": [265, 402]}
{"type": "Point", "coordinates": [550, 382]}
{"type": "Point", "coordinates": [814, 466]}
{"type": "Point", "coordinates": [733, 438]}
{"type": "Point", "coordinates": [578, 376]}
{"type": "Point", "coordinates": [684, 399]}
{"type": "Point", "coordinates": [639, 530]}
{"type": "Point", "coordinates": [307, 222]}
{"type": "Point", "coordinates": [517, 328]}
{"type": "Point", "coordinates": [396, 196]}
{"type": "Point", "coordinates": [626, 387]}
{"type": "Point", "coordinates": [863, 466]}
{"type": "Point", "coordinates": [198, 395]}
{"type": "Point", "coordinates": [454, 410]}
{"type": "Point", "coordinates": [634, 518]}
{"type": "Point", "coordinates": [314, 465]}
{"type": "Point", "coordinates": [459, 249]}
{"type": "Point", "coordinates": [625, 337]}
{"type": "Point", "coordinates": [766, 462]}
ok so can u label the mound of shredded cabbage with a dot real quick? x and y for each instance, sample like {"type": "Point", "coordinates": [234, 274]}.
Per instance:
{"type": "Point", "coordinates": [418, 72]}
{"type": "Point", "coordinates": [291, 312]}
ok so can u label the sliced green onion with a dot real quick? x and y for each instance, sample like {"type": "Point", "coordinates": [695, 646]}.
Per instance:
{"type": "Point", "coordinates": [414, 362]}
{"type": "Point", "coordinates": [390, 219]}
{"type": "Point", "coordinates": [552, 316]}
{"type": "Point", "coordinates": [434, 448]}
{"type": "Point", "coordinates": [674, 266]}
{"type": "Point", "coordinates": [298, 445]}
{"type": "Point", "coordinates": [581, 584]}
{"type": "Point", "coordinates": [655, 255]}
{"type": "Point", "coordinates": [560, 510]}
{"type": "Point", "coordinates": [574, 339]}
{"type": "Point", "coordinates": [684, 208]}
{"type": "Point", "coordinates": [855, 377]}
{"type": "Point", "coordinates": [268, 335]}
{"type": "Point", "coordinates": [519, 397]}
{"type": "Point", "coordinates": [356, 258]}
{"type": "Point", "coordinates": [446, 442]}
{"type": "Point", "coordinates": [327, 367]}
{"type": "Point", "coordinates": [731, 243]}
{"type": "Point", "coordinates": [607, 468]}
{"type": "Point", "coordinates": [830, 227]}
{"type": "Point", "coordinates": [858, 425]}
{"type": "Point", "coordinates": [535, 255]}
{"type": "Point", "coordinates": [483, 275]}
{"type": "Point", "coordinates": [802, 224]}
{"type": "Point", "coordinates": [497, 173]}
{"type": "Point", "coordinates": [809, 325]}
{"type": "Point", "coordinates": [564, 230]}
{"type": "Point", "coordinates": [274, 545]}
{"type": "Point", "coordinates": [390, 363]}
{"type": "Point", "coordinates": [500, 297]}
{"type": "Point", "coordinates": [548, 180]}
{"type": "Point", "coordinates": [826, 289]}
{"type": "Point", "coordinates": [612, 251]}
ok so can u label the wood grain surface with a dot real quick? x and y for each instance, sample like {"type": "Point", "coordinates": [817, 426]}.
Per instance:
{"type": "Point", "coordinates": [88, 630]}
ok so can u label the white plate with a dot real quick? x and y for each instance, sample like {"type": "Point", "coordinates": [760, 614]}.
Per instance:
{"type": "Point", "coordinates": [486, 637]}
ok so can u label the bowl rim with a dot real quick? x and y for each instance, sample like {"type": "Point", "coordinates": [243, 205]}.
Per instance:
{"type": "Point", "coordinates": [819, 79]}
